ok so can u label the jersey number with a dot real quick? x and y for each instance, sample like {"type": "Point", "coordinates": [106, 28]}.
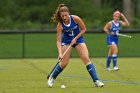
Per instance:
{"type": "Point", "coordinates": [71, 33]}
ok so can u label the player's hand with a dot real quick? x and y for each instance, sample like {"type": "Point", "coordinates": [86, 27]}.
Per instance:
{"type": "Point", "coordinates": [122, 15]}
{"type": "Point", "coordinates": [115, 33]}
{"type": "Point", "coordinates": [60, 57]}
{"type": "Point", "coordinates": [73, 42]}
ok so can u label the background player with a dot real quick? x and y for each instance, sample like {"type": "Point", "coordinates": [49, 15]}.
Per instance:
{"type": "Point", "coordinates": [112, 29]}
{"type": "Point", "coordinates": [70, 30]}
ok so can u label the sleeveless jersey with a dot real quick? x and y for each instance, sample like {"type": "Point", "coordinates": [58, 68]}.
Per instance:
{"type": "Point", "coordinates": [113, 39]}
{"type": "Point", "coordinates": [69, 32]}
{"type": "Point", "coordinates": [115, 27]}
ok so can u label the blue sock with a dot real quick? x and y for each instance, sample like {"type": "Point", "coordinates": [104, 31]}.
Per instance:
{"type": "Point", "coordinates": [114, 56]}
{"type": "Point", "coordinates": [56, 71]}
{"type": "Point", "coordinates": [92, 72]}
{"type": "Point", "coordinates": [108, 61]}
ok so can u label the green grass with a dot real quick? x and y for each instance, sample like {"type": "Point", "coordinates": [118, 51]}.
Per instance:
{"type": "Point", "coordinates": [43, 45]}
{"type": "Point", "coordinates": [29, 76]}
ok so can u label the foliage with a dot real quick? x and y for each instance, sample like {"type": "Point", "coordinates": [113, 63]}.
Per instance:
{"type": "Point", "coordinates": [35, 14]}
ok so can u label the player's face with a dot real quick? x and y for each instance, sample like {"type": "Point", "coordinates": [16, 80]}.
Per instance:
{"type": "Point", "coordinates": [65, 17]}
{"type": "Point", "coordinates": [116, 17]}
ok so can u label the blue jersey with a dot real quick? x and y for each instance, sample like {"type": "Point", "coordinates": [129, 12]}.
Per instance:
{"type": "Point", "coordinates": [70, 31]}
{"type": "Point", "coordinates": [113, 39]}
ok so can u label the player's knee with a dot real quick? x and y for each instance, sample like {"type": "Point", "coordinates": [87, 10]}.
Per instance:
{"type": "Point", "coordinates": [115, 52]}
{"type": "Point", "coordinates": [85, 58]}
{"type": "Point", "coordinates": [63, 65]}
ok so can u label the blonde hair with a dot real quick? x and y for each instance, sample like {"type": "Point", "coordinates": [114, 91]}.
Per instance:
{"type": "Point", "coordinates": [61, 8]}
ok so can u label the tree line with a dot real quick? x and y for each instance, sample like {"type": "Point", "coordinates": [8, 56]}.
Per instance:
{"type": "Point", "coordinates": [36, 14]}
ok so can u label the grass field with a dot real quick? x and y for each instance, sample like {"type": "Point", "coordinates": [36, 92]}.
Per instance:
{"type": "Point", "coordinates": [29, 76]}
{"type": "Point", "coordinates": [44, 45]}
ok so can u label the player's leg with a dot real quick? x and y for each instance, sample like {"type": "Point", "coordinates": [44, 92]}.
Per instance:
{"type": "Point", "coordinates": [109, 42]}
{"type": "Point", "coordinates": [60, 66]}
{"type": "Point", "coordinates": [108, 61]}
{"type": "Point", "coordinates": [84, 55]}
{"type": "Point", "coordinates": [114, 56]}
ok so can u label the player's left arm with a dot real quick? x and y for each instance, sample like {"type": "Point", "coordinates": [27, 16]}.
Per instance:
{"type": "Point", "coordinates": [82, 26]}
{"type": "Point", "coordinates": [125, 22]}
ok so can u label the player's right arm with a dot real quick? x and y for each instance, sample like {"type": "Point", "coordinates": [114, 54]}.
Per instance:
{"type": "Point", "coordinates": [107, 27]}
{"type": "Point", "coordinates": [125, 22]}
{"type": "Point", "coordinates": [59, 34]}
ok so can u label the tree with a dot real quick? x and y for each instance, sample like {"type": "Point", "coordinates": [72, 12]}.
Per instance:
{"type": "Point", "coordinates": [127, 7]}
{"type": "Point", "coordinates": [138, 8]}
{"type": "Point", "coordinates": [97, 3]}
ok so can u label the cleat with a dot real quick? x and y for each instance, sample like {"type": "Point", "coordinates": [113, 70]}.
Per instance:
{"type": "Point", "coordinates": [115, 68]}
{"type": "Point", "coordinates": [108, 69]}
{"type": "Point", "coordinates": [98, 83]}
{"type": "Point", "coordinates": [51, 81]}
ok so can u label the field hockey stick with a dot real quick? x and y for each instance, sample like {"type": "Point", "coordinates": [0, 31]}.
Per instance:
{"type": "Point", "coordinates": [59, 60]}
{"type": "Point", "coordinates": [124, 35]}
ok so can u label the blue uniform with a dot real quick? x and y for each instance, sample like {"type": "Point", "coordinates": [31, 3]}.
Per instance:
{"type": "Point", "coordinates": [70, 32]}
{"type": "Point", "coordinates": [113, 39]}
